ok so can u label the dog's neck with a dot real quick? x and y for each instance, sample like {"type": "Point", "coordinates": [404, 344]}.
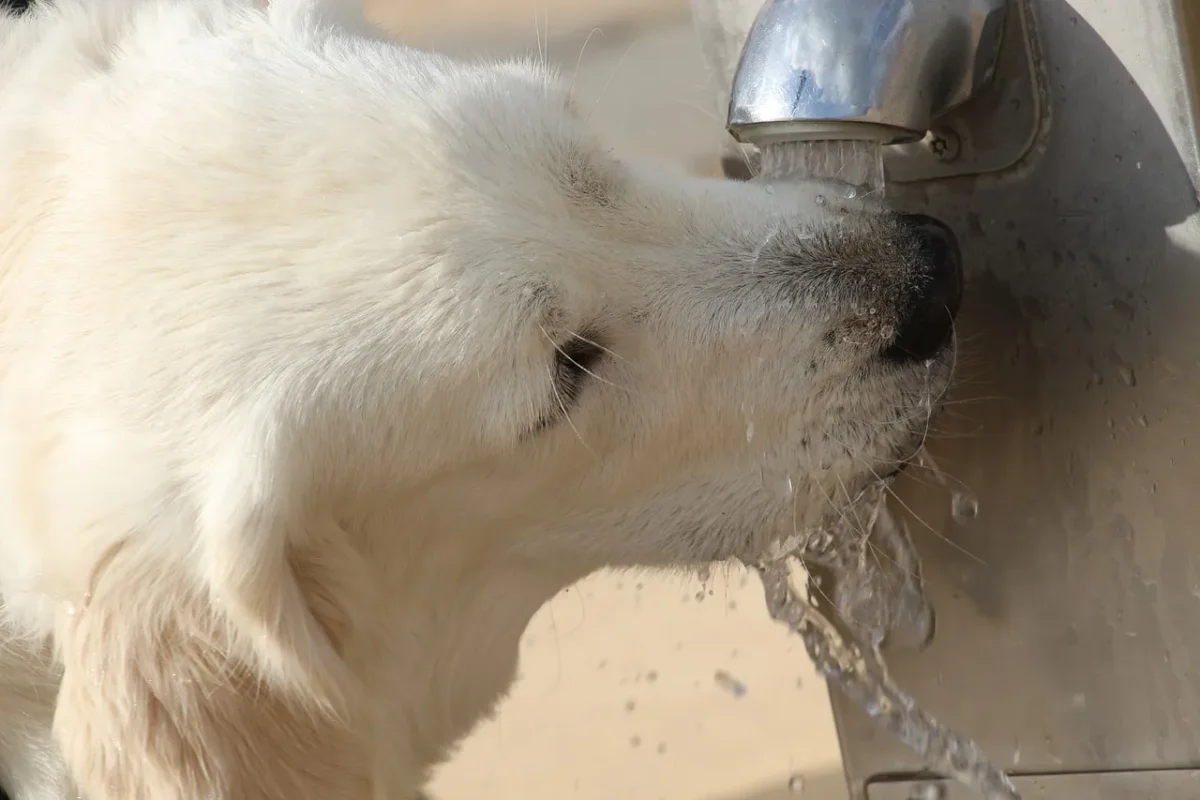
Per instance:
{"type": "Point", "coordinates": [451, 615]}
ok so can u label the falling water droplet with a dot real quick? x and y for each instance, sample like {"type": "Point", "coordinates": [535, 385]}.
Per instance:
{"type": "Point", "coordinates": [69, 608]}
{"type": "Point", "coordinates": [796, 784]}
{"type": "Point", "coordinates": [749, 432]}
{"type": "Point", "coordinates": [729, 683]}
{"type": "Point", "coordinates": [964, 507]}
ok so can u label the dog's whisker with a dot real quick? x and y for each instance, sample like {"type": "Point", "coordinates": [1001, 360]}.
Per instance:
{"type": "Point", "coordinates": [604, 90]}
{"type": "Point", "coordinates": [887, 486]}
{"type": "Point", "coordinates": [934, 530]}
{"type": "Point", "coordinates": [566, 415]}
{"type": "Point", "coordinates": [597, 345]}
{"type": "Point", "coordinates": [558, 348]}
{"type": "Point", "coordinates": [693, 107]}
{"type": "Point", "coordinates": [929, 408]}
{"type": "Point", "coordinates": [869, 528]}
{"type": "Point", "coordinates": [579, 61]}
{"type": "Point", "coordinates": [542, 45]}
{"type": "Point", "coordinates": [926, 462]}
{"type": "Point", "coordinates": [950, 373]}
{"type": "Point", "coordinates": [813, 584]}
{"type": "Point", "coordinates": [836, 508]}
{"type": "Point", "coordinates": [966, 401]}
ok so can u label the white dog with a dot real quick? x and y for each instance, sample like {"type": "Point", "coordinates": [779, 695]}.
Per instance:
{"type": "Point", "coordinates": [324, 362]}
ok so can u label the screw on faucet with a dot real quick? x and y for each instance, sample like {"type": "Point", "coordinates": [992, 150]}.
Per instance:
{"type": "Point", "coordinates": [944, 143]}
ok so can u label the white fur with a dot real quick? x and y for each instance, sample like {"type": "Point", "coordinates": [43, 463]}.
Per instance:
{"type": "Point", "coordinates": [283, 474]}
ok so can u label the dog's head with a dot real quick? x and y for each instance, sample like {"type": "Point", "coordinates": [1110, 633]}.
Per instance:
{"type": "Point", "coordinates": [624, 366]}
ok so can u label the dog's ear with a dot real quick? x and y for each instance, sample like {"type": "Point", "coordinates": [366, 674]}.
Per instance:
{"type": "Point", "coordinates": [283, 586]}
{"type": "Point", "coordinates": [220, 672]}
{"type": "Point", "coordinates": [157, 701]}
{"type": "Point", "coordinates": [285, 578]}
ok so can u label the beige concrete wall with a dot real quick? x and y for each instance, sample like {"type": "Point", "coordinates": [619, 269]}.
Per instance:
{"type": "Point", "coordinates": [456, 17]}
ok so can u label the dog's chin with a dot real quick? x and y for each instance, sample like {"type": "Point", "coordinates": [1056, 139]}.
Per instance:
{"type": "Point", "coordinates": [834, 517]}
{"type": "Point", "coordinates": [774, 539]}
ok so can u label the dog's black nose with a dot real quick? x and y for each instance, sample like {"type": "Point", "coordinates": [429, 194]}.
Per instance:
{"type": "Point", "coordinates": [927, 318]}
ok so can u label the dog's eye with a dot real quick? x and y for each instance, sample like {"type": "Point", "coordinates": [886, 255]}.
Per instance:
{"type": "Point", "coordinates": [575, 360]}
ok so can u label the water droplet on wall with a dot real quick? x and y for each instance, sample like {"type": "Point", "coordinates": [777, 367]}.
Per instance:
{"type": "Point", "coordinates": [729, 683]}
{"type": "Point", "coordinates": [964, 507]}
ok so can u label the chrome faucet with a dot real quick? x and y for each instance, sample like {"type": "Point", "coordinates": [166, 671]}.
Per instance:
{"type": "Point", "coordinates": [880, 70]}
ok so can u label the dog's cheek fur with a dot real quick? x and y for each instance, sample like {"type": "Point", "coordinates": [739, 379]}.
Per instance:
{"type": "Point", "coordinates": [161, 701]}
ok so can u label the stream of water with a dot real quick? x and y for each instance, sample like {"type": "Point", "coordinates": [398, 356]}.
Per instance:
{"type": "Point", "coordinates": [855, 166]}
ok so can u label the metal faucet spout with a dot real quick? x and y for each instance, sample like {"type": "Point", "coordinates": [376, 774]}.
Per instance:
{"type": "Point", "coordinates": [881, 70]}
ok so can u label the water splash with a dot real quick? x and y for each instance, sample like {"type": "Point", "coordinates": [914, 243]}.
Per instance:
{"type": "Point", "coordinates": [868, 589]}
{"type": "Point", "coordinates": [860, 672]}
